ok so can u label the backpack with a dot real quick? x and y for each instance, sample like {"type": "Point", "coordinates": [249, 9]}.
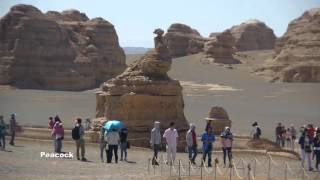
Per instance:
{"type": "Point", "coordinates": [258, 131]}
{"type": "Point", "coordinates": [76, 133]}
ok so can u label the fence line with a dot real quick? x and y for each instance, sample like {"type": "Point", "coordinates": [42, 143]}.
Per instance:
{"type": "Point", "coordinates": [183, 170]}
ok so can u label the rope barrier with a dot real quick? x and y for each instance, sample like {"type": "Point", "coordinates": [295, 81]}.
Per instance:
{"type": "Point", "coordinates": [205, 168]}
{"type": "Point", "coordinates": [237, 173]}
{"type": "Point", "coordinates": [272, 161]}
{"type": "Point", "coordinates": [252, 176]}
{"type": "Point", "coordinates": [192, 168]}
{"type": "Point", "coordinates": [182, 168]}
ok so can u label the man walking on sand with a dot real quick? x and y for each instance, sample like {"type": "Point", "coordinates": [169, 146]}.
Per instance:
{"type": "Point", "coordinates": [13, 127]}
{"type": "Point", "coordinates": [155, 141]}
{"type": "Point", "coordinates": [191, 139]}
{"type": "Point", "coordinates": [171, 136]}
{"type": "Point", "coordinates": [77, 135]}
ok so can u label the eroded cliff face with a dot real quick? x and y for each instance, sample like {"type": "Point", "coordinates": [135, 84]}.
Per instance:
{"type": "Point", "coordinates": [253, 35]}
{"type": "Point", "coordinates": [297, 56]}
{"type": "Point", "coordinates": [60, 51]}
{"type": "Point", "coordinates": [182, 40]}
{"type": "Point", "coordinates": [144, 93]}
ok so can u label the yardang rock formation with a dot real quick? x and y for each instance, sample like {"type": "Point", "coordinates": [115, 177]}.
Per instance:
{"type": "Point", "coordinates": [60, 51]}
{"type": "Point", "coordinates": [298, 51]}
{"type": "Point", "coordinates": [144, 93]}
{"type": "Point", "coordinates": [253, 35]}
{"type": "Point", "coordinates": [182, 40]}
{"type": "Point", "coordinates": [220, 49]}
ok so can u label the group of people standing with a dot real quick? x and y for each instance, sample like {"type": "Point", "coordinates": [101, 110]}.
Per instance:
{"type": "Point", "coordinates": [309, 142]}
{"type": "Point", "coordinates": [207, 138]}
{"type": "Point", "coordinates": [285, 137]}
{"type": "Point", "coordinates": [110, 141]}
{"type": "Point", "coordinates": [4, 132]}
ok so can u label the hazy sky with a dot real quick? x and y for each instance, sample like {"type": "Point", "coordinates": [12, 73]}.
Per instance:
{"type": "Point", "coordinates": [135, 20]}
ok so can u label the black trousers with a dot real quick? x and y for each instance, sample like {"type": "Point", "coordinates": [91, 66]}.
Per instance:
{"type": "Point", "coordinates": [112, 149]}
{"type": "Point", "coordinates": [227, 151]}
{"type": "Point", "coordinates": [317, 153]}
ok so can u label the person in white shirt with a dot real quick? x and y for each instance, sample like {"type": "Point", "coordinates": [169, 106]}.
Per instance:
{"type": "Point", "coordinates": [171, 136]}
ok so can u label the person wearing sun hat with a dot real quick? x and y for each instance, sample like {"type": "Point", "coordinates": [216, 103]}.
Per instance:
{"type": "Point", "coordinates": [316, 148]}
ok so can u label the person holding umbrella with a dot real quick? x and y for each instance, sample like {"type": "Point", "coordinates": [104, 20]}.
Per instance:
{"type": "Point", "coordinates": [113, 138]}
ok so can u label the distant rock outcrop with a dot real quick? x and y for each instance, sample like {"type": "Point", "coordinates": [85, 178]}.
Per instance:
{"type": "Point", "coordinates": [60, 51]}
{"type": "Point", "coordinates": [219, 48]}
{"type": "Point", "coordinates": [298, 51]}
{"type": "Point", "coordinates": [144, 93]}
{"type": "Point", "coordinates": [219, 119]}
{"type": "Point", "coordinates": [183, 40]}
{"type": "Point", "coordinates": [253, 35]}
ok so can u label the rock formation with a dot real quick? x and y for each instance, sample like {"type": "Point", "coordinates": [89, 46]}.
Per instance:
{"type": "Point", "coordinates": [298, 51]}
{"type": "Point", "coordinates": [183, 40]}
{"type": "Point", "coordinates": [144, 93]}
{"type": "Point", "coordinates": [253, 35]}
{"type": "Point", "coordinates": [61, 51]}
{"type": "Point", "coordinates": [219, 48]}
{"type": "Point", "coordinates": [219, 119]}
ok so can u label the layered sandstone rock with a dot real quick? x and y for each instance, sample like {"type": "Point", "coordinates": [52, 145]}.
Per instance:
{"type": "Point", "coordinates": [253, 35]}
{"type": "Point", "coordinates": [144, 93]}
{"type": "Point", "coordinates": [219, 48]}
{"type": "Point", "coordinates": [183, 40]}
{"type": "Point", "coordinates": [61, 51]}
{"type": "Point", "coordinates": [298, 51]}
{"type": "Point", "coordinates": [219, 119]}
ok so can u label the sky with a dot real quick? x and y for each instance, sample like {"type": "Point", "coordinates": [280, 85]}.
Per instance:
{"type": "Point", "coordinates": [135, 20]}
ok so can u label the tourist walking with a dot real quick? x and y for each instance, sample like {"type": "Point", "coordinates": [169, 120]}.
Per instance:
{"type": "Point", "coordinates": [78, 136]}
{"type": "Point", "coordinates": [3, 133]}
{"type": "Point", "coordinates": [208, 139]}
{"type": "Point", "coordinates": [256, 131]}
{"type": "Point", "coordinates": [316, 148]}
{"type": "Point", "coordinates": [123, 144]}
{"type": "Point", "coordinates": [278, 133]}
{"type": "Point", "coordinates": [155, 141]}
{"type": "Point", "coordinates": [171, 136]}
{"type": "Point", "coordinates": [288, 138]}
{"type": "Point", "coordinates": [103, 142]}
{"type": "Point", "coordinates": [58, 134]}
{"type": "Point", "coordinates": [51, 123]}
{"type": "Point", "coordinates": [13, 128]}
{"type": "Point", "coordinates": [306, 148]}
{"type": "Point", "coordinates": [226, 142]}
{"type": "Point", "coordinates": [293, 132]}
{"type": "Point", "coordinates": [191, 139]}
{"type": "Point", "coordinates": [113, 140]}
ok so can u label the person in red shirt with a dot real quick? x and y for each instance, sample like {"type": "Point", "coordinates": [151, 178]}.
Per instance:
{"type": "Point", "coordinates": [311, 131]}
{"type": "Point", "coordinates": [191, 139]}
{"type": "Point", "coordinates": [50, 123]}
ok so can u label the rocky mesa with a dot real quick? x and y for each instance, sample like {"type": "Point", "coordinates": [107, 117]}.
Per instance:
{"type": "Point", "coordinates": [253, 35]}
{"type": "Point", "coordinates": [182, 40]}
{"type": "Point", "coordinates": [59, 51]}
{"type": "Point", "coordinates": [298, 51]}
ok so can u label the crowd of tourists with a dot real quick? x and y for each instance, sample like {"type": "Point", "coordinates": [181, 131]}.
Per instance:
{"type": "Point", "coordinates": [112, 139]}
{"type": "Point", "coordinates": [208, 139]}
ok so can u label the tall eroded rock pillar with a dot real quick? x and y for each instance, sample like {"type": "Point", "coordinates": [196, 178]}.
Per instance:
{"type": "Point", "coordinates": [144, 93]}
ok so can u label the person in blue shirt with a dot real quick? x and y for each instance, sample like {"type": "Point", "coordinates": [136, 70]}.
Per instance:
{"type": "Point", "coordinates": [208, 139]}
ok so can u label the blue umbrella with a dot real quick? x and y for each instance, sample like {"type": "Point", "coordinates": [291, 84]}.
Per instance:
{"type": "Point", "coordinates": [113, 124]}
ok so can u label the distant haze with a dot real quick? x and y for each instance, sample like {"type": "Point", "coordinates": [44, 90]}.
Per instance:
{"type": "Point", "coordinates": [135, 50]}
{"type": "Point", "coordinates": [135, 20]}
